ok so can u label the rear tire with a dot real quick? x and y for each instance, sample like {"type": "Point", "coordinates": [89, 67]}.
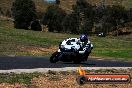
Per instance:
{"type": "Point", "coordinates": [76, 61]}
{"type": "Point", "coordinates": [54, 57]}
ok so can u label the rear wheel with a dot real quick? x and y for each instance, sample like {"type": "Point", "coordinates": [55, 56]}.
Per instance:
{"type": "Point", "coordinates": [76, 62]}
{"type": "Point", "coordinates": [54, 57]}
{"type": "Point", "coordinates": [77, 59]}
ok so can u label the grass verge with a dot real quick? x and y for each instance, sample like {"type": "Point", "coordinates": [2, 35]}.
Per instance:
{"type": "Point", "coordinates": [20, 42]}
{"type": "Point", "coordinates": [12, 78]}
{"type": "Point", "coordinates": [58, 79]}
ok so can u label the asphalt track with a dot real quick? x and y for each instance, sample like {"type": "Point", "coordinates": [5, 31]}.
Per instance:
{"type": "Point", "coordinates": [7, 63]}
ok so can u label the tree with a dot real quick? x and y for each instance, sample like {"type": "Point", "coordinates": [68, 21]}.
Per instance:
{"type": "Point", "coordinates": [53, 17]}
{"type": "Point", "coordinates": [1, 11]}
{"type": "Point", "coordinates": [110, 17]}
{"type": "Point", "coordinates": [70, 23]}
{"type": "Point", "coordinates": [129, 14]}
{"type": "Point", "coordinates": [87, 26]}
{"type": "Point", "coordinates": [57, 2]}
{"type": "Point", "coordinates": [85, 15]}
{"type": "Point", "coordinates": [81, 18]}
{"type": "Point", "coordinates": [23, 12]}
{"type": "Point", "coordinates": [35, 25]}
{"type": "Point", "coordinates": [8, 13]}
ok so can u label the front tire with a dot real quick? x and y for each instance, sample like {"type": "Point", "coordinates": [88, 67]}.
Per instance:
{"type": "Point", "coordinates": [54, 57]}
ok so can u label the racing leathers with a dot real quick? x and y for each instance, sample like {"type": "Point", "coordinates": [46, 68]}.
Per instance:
{"type": "Point", "coordinates": [85, 46]}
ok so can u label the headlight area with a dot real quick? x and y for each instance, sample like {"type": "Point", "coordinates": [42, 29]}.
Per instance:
{"type": "Point", "coordinates": [62, 46]}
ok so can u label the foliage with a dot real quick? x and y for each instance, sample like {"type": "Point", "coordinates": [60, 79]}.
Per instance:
{"type": "Point", "coordinates": [110, 17]}
{"type": "Point", "coordinates": [8, 13]}
{"type": "Point", "coordinates": [81, 19]}
{"type": "Point", "coordinates": [36, 26]}
{"type": "Point", "coordinates": [105, 18]}
{"type": "Point", "coordinates": [129, 14]}
{"type": "Point", "coordinates": [53, 17]}
{"type": "Point", "coordinates": [58, 2]}
{"type": "Point", "coordinates": [71, 24]}
{"type": "Point", "coordinates": [23, 42]}
{"type": "Point", "coordinates": [23, 12]}
{"type": "Point", "coordinates": [1, 11]}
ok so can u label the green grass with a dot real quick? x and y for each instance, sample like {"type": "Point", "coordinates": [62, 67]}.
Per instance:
{"type": "Point", "coordinates": [115, 47]}
{"type": "Point", "coordinates": [124, 53]}
{"type": "Point", "coordinates": [127, 3]}
{"type": "Point", "coordinates": [10, 39]}
{"type": "Point", "coordinates": [29, 37]}
{"type": "Point", "coordinates": [24, 78]}
{"type": "Point", "coordinates": [27, 78]}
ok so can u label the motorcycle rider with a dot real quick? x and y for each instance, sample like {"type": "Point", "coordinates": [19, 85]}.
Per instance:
{"type": "Point", "coordinates": [85, 44]}
{"type": "Point", "coordinates": [77, 50]}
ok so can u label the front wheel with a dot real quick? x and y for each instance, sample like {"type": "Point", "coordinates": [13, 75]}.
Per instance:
{"type": "Point", "coordinates": [54, 57]}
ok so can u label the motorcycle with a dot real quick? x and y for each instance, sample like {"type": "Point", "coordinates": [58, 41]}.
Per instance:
{"type": "Point", "coordinates": [70, 50]}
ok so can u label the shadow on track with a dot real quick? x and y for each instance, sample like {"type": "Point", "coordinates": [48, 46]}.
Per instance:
{"type": "Point", "coordinates": [83, 63]}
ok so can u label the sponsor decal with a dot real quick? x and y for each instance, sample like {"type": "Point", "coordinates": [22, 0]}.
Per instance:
{"type": "Point", "coordinates": [85, 77]}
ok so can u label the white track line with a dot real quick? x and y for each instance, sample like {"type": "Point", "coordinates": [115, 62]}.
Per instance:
{"type": "Point", "coordinates": [58, 69]}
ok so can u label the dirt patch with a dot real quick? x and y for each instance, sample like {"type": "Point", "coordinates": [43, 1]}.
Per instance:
{"type": "Point", "coordinates": [34, 50]}
{"type": "Point", "coordinates": [6, 85]}
{"type": "Point", "coordinates": [6, 22]}
{"type": "Point", "coordinates": [66, 80]}
{"type": "Point", "coordinates": [69, 81]}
